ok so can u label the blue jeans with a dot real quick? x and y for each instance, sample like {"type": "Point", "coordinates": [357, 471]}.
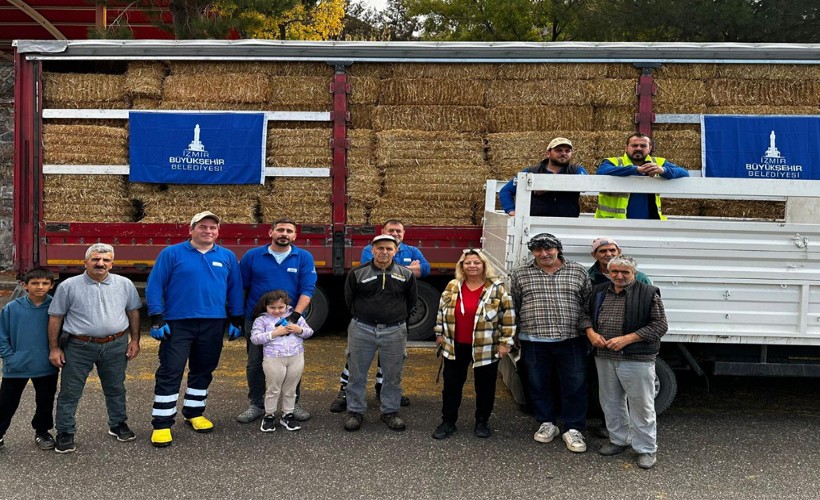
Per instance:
{"type": "Point", "coordinates": [80, 358]}
{"type": "Point", "coordinates": [569, 359]}
{"type": "Point", "coordinates": [362, 343]}
{"type": "Point", "coordinates": [627, 395]}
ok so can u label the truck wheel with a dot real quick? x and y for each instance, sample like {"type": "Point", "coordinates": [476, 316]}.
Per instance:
{"type": "Point", "coordinates": [423, 318]}
{"type": "Point", "coordinates": [668, 386]}
{"type": "Point", "coordinates": [316, 313]}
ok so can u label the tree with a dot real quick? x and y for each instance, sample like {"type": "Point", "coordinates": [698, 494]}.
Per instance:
{"type": "Point", "coordinates": [322, 20]}
{"type": "Point", "coordinates": [366, 23]}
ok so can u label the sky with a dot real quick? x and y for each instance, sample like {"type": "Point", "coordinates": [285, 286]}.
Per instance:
{"type": "Point", "coordinates": [376, 4]}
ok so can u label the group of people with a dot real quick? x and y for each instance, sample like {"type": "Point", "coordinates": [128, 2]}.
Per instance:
{"type": "Point", "coordinates": [555, 311]}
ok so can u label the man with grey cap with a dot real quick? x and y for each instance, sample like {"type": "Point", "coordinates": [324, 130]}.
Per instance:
{"type": "Point", "coordinates": [189, 290]}
{"type": "Point", "coordinates": [551, 296]}
{"type": "Point", "coordinates": [380, 295]}
{"type": "Point", "coordinates": [603, 250]}
{"type": "Point", "coordinates": [549, 203]}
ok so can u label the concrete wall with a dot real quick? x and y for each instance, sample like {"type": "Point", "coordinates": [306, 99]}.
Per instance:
{"type": "Point", "coordinates": [6, 162]}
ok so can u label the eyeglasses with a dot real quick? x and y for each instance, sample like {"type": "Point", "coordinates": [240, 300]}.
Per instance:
{"type": "Point", "coordinates": [471, 250]}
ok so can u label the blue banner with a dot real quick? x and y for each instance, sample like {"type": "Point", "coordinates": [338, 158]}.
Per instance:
{"type": "Point", "coordinates": [197, 148]}
{"type": "Point", "coordinates": [766, 147]}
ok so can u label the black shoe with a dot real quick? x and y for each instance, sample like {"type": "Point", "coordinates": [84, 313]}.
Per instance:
{"type": "Point", "coordinates": [444, 430]}
{"type": "Point", "coordinates": [288, 421]}
{"type": "Point", "coordinates": [44, 440]}
{"type": "Point", "coordinates": [405, 401]}
{"type": "Point", "coordinates": [65, 443]}
{"type": "Point", "coordinates": [482, 430]}
{"type": "Point", "coordinates": [353, 422]}
{"type": "Point", "coordinates": [611, 448]}
{"type": "Point", "coordinates": [394, 421]}
{"type": "Point", "coordinates": [268, 424]}
{"type": "Point", "coordinates": [122, 432]}
{"type": "Point", "coordinates": [340, 403]}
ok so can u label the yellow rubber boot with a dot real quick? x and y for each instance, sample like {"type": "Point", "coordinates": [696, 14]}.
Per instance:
{"type": "Point", "coordinates": [161, 438]}
{"type": "Point", "coordinates": [200, 424]}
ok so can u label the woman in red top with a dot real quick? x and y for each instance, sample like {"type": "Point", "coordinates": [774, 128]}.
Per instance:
{"type": "Point", "coordinates": [475, 324]}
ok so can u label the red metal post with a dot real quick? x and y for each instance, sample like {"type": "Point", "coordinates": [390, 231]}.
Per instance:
{"type": "Point", "coordinates": [26, 161]}
{"type": "Point", "coordinates": [338, 171]}
{"type": "Point", "coordinates": [645, 89]}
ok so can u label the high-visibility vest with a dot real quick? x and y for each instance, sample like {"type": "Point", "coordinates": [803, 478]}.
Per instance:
{"type": "Point", "coordinates": [613, 205]}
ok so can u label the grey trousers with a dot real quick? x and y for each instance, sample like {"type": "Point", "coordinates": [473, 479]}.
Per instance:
{"type": "Point", "coordinates": [363, 341]}
{"type": "Point", "coordinates": [627, 395]}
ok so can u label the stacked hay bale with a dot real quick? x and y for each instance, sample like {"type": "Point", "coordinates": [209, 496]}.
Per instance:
{"type": "Point", "coordinates": [143, 83]}
{"type": "Point", "coordinates": [84, 90]}
{"type": "Point", "coordinates": [303, 199]}
{"type": "Point", "coordinates": [365, 180]}
{"type": "Point", "coordinates": [86, 198]}
{"type": "Point", "coordinates": [176, 203]}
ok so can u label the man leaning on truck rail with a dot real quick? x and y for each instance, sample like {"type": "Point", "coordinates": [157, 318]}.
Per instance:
{"type": "Point", "coordinates": [558, 160]}
{"type": "Point", "coordinates": [189, 290]}
{"type": "Point", "coordinates": [635, 161]}
{"type": "Point", "coordinates": [551, 295]}
{"type": "Point", "coordinates": [625, 324]}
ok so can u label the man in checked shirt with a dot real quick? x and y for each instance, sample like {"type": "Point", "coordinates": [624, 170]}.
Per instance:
{"type": "Point", "coordinates": [625, 324]}
{"type": "Point", "coordinates": [551, 296]}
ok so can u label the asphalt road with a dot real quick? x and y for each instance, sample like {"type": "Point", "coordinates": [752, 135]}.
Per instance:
{"type": "Point", "coordinates": [746, 438]}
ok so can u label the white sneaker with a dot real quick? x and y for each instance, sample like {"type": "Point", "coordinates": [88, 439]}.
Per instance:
{"type": "Point", "coordinates": [546, 433]}
{"type": "Point", "coordinates": [575, 441]}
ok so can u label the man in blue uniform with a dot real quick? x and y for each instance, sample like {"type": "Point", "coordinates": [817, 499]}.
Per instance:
{"type": "Point", "coordinates": [189, 290]}
{"type": "Point", "coordinates": [278, 266]}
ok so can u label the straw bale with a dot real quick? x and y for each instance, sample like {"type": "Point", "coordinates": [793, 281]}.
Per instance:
{"type": "Point", "coordinates": [677, 109]}
{"type": "Point", "coordinates": [307, 90]}
{"type": "Point", "coordinates": [676, 126]}
{"type": "Point", "coordinates": [509, 153]}
{"type": "Point", "coordinates": [412, 147]}
{"type": "Point", "coordinates": [614, 117]}
{"type": "Point", "coordinates": [217, 87]}
{"type": "Point", "coordinates": [139, 189]}
{"type": "Point", "coordinates": [307, 147]}
{"type": "Point", "coordinates": [527, 118]}
{"type": "Point", "coordinates": [362, 152]}
{"type": "Point", "coordinates": [82, 87]}
{"type": "Point", "coordinates": [361, 116]}
{"type": "Point", "coordinates": [443, 71]}
{"type": "Point", "coordinates": [57, 104]}
{"type": "Point", "coordinates": [85, 198]}
{"type": "Point", "coordinates": [87, 183]}
{"type": "Point", "coordinates": [611, 143]}
{"type": "Point", "coordinates": [679, 92]}
{"type": "Point", "coordinates": [551, 71]}
{"type": "Point", "coordinates": [88, 122]}
{"type": "Point", "coordinates": [426, 214]}
{"type": "Point", "coordinates": [143, 103]}
{"type": "Point", "coordinates": [370, 70]}
{"type": "Point", "coordinates": [690, 160]}
{"type": "Point", "coordinates": [144, 79]}
{"type": "Point", "coordinates": [85, 145]}
{"type": "Point", "coordinates": [199, 68]}
{"type": "Point", "coordinates": [686, 71]}
{"type": "Point", "coordinates": [539, 92]}
{"type": "Point", "coordinates": [622, 71]}
{"type": "Point", "coordinates": [589, 204]}
{"type": "Point", "coordinates": [215, 106]}
{"type": "Point", "coordinates": [175, 203]}
{"type": "Point", "coordinates": [676, 140]}
{"type": "Point", "coordinates": [85, 155]}
{"type": "Point", "coordinates": [85, 134]}
{"type": "Point", "coordinates": [358, 214]}
{"type": "Point", "coordinates": [455, 118]}
{"type": "Point", "coordinates": [769, 71]}
{"type": "Point", "coordinates": [364, 90]}
{"type": "Point", "coordinates": [305, 200]}
{"type": "Point", "coordinates": [729, 92]}
{"type": "Point", "coordinates": [611, 92]}
{"type": "Point", "coordinates": [762, 110]}
{"type": "Point", "coordinates": [89, 213]}
{"type": "Point", "coordinates": [398, 91]}
{"type": "Point", "coordinates": [683, 206]}
{"type": "Point", "coordinates": [771, 210]}
{"type": "Point", "coordinates": [300, 69]}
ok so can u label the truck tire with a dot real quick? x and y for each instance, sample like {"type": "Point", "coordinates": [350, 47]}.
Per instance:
{"type": "Point", "coordinates": [317, 311]}
{"type": "Point", "coordinates": [423, 318]}
{"type": "Point", "coordinates": [668, 386]}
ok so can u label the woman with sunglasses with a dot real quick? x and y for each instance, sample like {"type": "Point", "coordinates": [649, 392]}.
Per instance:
{"type": "Point", "coordinates": [475, 324]}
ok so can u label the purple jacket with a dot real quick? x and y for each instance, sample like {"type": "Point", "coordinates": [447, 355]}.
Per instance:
{"type": "Point", "coordinates": [278, 347]}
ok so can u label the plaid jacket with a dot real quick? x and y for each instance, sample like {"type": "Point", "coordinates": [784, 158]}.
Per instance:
{"type": "Point", "coordinates": [494, 321]}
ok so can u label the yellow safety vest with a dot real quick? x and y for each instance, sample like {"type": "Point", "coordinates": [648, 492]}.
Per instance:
{"type": "Point", "coordinates": [613, 205]}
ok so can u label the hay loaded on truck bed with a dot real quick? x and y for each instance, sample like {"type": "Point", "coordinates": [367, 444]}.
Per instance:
{"type": "Point", "coordinates": [355, 133]}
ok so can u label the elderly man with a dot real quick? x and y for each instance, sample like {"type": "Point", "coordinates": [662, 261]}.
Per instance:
{"type": "Point", "coordinates": [407, 256]}
{"type": "Point", "coordinates": [625, 324]}
{"type": "Point", "coordinates": [551, 296]}
{"type": "Point", "coordinates": [96, 310]}
{"type": "Point", "coordinates": [281, 265]}
{"type": "Point", "coordinates": [380, 295]}
{"type": "Point", "coordinates": [191, 287]}
{"type": "Point", "coordinates": [603, 250]}
{"type": "Point", "coordinates": [636, 161]}
{"type": "Point", "coordinates": [549, 203]}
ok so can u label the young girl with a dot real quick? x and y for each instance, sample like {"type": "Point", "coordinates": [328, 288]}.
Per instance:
{"type": "Point", "coordinates": [284, 356]}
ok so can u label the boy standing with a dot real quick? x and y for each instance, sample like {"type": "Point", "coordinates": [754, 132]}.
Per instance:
{"type": "Point", "coordinates": [24, 349]}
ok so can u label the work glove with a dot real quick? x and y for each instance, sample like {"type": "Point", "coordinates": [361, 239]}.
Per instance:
{"type": "Point", "coordinates": [159, 328]}
{"type": "Point", "coordinates": [235, 328]}
{"type": "Point", "coordinates": [294, 317]}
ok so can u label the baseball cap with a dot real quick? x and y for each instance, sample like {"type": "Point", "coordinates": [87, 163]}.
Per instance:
{"type": "Point", "coordinates": [558, 141]}
{"type": "Point", "coordinates": [204, 215]}
{"type": "Point", "coordinates": [604, 240]}
{"type": "Point", "coordinates": [384, 237]}
{"type": "Point", "coordinates": [544, 240]}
